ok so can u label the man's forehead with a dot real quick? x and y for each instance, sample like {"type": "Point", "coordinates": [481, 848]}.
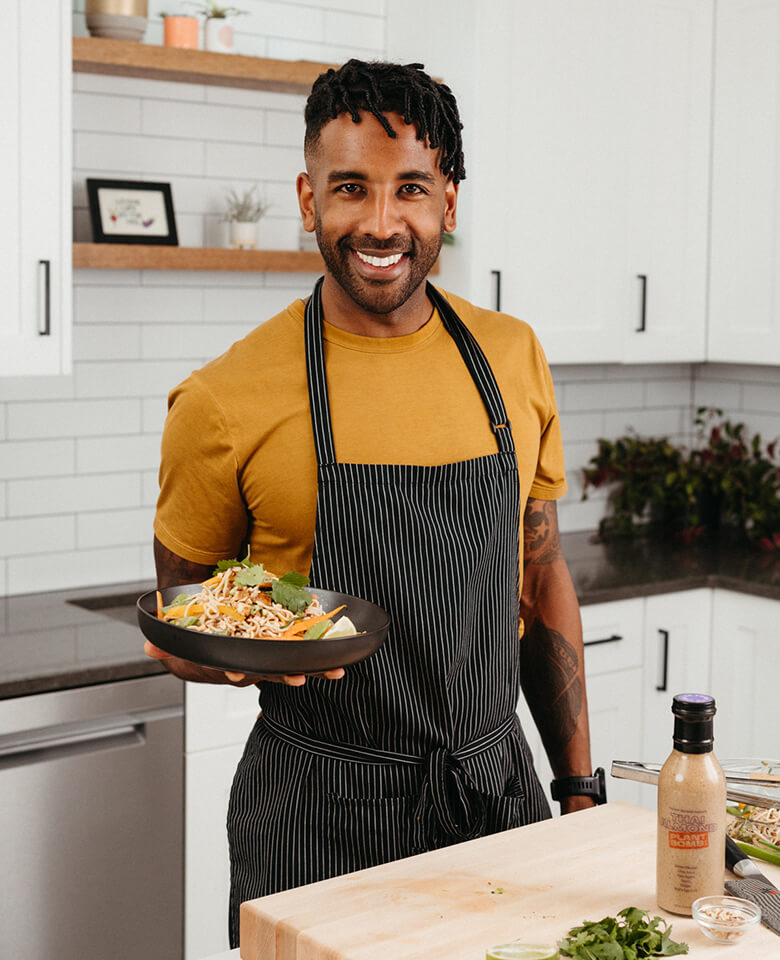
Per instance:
{"type": "Point", "coordinates": [342, 137]}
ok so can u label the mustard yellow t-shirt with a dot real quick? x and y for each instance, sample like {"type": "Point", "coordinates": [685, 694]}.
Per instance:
{"type": "Point", "coordinates": [238, 463]}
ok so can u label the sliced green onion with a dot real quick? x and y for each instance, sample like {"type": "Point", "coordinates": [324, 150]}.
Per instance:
{"type": "Point", "coordinates": [766, 854]}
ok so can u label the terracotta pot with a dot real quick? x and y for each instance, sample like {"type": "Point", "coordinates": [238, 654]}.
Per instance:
{"type": "Point", "coordinates": [218, 36]}
{"type": "Point", "coordinates": [181, 32]}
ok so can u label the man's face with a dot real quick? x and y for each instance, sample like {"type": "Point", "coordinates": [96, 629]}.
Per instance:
{"type": "Point", "coordinates": [379, 207]}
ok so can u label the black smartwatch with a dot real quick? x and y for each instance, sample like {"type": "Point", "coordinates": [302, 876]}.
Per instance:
{"type": "Point", "coordinates": [594, 786]}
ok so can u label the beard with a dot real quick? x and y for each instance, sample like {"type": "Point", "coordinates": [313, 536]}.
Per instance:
{"type": "Point", "coordinates": [378, 296]}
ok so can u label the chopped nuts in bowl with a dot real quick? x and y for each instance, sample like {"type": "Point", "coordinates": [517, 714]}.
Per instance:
{"type": "Point", "coordinates": [726, 919]}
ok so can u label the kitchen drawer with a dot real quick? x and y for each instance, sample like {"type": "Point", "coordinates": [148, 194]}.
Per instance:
{"type": "Point", "coordinates": [612, 634]}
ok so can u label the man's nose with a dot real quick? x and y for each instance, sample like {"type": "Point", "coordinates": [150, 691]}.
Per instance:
{"type": "Point", "coordinates": [381, 215]}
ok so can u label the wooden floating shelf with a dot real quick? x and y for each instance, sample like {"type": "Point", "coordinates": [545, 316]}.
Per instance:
{"type": "Point", "coordinates": [131, 256]}
{"type": "Point", "coordinates": [120, 58]}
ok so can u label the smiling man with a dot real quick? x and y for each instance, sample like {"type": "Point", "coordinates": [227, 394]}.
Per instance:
{"type": "Point", "coordinates": [403, 445]}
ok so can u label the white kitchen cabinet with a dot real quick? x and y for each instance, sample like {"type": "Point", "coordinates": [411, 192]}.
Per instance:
{"type": "Point", "coordinates": [35, 204]}
{"type": "Point", "coordinates": [745, 668]}
{"type": "Point", "coordinates": [217, 722]}
{"type": "Point", "coordinates": [587, 135]}
{"type": "Point", "coordinates": [677, 660]}
{"type": "Point", "coordinates": [744, 315]}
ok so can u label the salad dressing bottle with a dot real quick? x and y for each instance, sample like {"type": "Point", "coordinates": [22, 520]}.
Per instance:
{"type": "Point", "coordinates": [691, 810]}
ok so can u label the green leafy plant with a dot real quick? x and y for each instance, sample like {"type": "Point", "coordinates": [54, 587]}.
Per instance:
{"type": "Point", "coordinates": [631, 935]}
{"type": "Point", "coordinates": [247, 207]}
{"type": "Point", "coordinates": [212, 11]}
{"type": "Point", "coordinates": [727, 482]}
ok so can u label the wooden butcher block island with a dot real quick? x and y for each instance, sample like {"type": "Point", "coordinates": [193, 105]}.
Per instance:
{"type": "Point", "coordinates": [532, 884]}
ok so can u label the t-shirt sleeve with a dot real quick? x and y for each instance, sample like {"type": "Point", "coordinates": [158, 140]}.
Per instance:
{"type": "Point", "coordinates": [201, 514]}
{"type": "Point", "coordinates": [549, 482]}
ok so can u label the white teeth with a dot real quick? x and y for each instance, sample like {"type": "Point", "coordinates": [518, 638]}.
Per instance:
{"type": "Point", "coordinates": [379, 261]}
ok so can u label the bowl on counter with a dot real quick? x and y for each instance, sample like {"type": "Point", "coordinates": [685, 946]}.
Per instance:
{"type": "Point", "coordinates": [726, 920]}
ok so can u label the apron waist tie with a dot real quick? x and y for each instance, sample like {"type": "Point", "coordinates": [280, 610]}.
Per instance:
{"type": "Point", "coordinates": [450, 807]}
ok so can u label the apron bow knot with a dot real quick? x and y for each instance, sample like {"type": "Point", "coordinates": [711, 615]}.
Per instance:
{"type": "Point", "coordinates": [455, 808]}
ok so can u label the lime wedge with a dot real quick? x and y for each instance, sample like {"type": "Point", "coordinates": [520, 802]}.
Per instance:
{"type": "Point", "coordinates": [343, 627]}
{"type": "Point", "coordinates": [522, 951]}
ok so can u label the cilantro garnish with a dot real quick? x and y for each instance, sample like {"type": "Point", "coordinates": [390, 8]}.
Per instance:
{"type": "Point", "coordinates": [288, 591]}
{"type": "Point", "coordinates": [223, 565]}
{"type": "Point", "coordinates": [251, 575]}
{"type": "Point", "coordinates": [632, 935]}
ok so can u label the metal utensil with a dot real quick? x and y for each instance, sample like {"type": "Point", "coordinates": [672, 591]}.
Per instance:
{"type": "Point", "coordinates": [736, 786]}
{"type": "Point", "coordinates": [753, 885]}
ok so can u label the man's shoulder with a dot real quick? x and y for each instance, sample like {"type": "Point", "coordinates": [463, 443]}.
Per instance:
{"type": "Point", "coordinates": [492, 324]}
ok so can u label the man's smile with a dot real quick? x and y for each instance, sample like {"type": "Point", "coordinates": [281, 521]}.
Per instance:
{"type": "Point", "coordinates": [375, 261]}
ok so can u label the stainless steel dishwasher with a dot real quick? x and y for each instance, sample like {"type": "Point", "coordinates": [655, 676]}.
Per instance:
{"type": "Point", "coordinates": [91, 822]}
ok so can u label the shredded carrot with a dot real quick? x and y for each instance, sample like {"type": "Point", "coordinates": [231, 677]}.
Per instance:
{"type": "Point", "coordinates": [301, 626]}
{"type": "Point", "coordinates": [213, 581]}
{"type": "Point", "coordinates": [194, 609]}
{"type": "Point", "coordinates": [159, 606]}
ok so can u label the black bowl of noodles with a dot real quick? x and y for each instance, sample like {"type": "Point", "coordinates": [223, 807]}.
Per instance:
{"type": "Point", "coordinates": [250, 655]}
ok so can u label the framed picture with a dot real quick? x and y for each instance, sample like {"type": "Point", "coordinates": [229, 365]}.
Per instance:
{"type": "Point", "coordinates": [131, 211]}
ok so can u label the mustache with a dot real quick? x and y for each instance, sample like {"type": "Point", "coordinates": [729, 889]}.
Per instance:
{"type": "Point", "coordinates": [366, 243]}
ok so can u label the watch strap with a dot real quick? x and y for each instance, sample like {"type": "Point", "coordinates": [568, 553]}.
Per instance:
{"type": "Point", "coordinates": [592, 786]}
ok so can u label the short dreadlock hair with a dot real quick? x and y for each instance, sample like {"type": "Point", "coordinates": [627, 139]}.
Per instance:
{"type": "Point", "coordinates": [379, 88]}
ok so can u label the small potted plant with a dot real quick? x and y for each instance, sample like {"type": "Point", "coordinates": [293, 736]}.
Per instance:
{"type": "Point", "coordinates": [218, 32]}
{"type": "Point", "coordinates": [180, 30]}
{"type": "Point", "coordinates": [243, 213]}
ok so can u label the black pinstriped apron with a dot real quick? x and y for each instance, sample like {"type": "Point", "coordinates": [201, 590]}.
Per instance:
{"type": "Point", "coordinates": [419, 746]}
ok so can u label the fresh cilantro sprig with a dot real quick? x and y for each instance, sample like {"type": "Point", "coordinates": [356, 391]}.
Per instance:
{"type": "Point", "coordinates": [288, 591]}
{"type": "Point", "coordinates": [223, 565]}
{"type": "Point", "coordinates": [632, 935]}
{"type": "Point", "coordinates": [251, 576]}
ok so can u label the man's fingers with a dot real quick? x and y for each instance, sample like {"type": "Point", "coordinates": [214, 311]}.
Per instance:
{"type": "Point", "coordinates": [296, 680]}
{"type": "Point", "coordinates": [234, 677]}
{"type": "Point", "coordinates": [336, 674]}
{"type": "Point", "coordinates": [155, 652]}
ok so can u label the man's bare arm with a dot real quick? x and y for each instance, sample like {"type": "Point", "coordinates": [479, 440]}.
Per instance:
{"type": "Point", "coordinates": [551, 658]}
{"type": "Point", "coordinates": [173, 570]}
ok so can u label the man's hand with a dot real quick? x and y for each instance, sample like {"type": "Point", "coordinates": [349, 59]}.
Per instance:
{"type": "Point", "coordinates": [572, 804]}
{"type": "Point", "coordinates": [187, 670]}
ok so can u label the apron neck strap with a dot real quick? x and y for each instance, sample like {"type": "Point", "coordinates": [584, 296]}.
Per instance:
{"type": "Point", "coordinates": [472, 354]}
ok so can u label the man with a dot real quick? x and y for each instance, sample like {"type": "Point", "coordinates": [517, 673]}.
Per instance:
{"type": "Point", "coordinates": [389, 439]}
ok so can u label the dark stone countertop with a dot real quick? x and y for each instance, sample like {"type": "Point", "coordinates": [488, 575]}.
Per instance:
{"type": "Point", "coordinates": [75, 638]}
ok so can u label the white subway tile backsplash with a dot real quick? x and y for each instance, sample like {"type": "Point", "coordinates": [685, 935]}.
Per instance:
{"type": "Point", "coordinates": [668, 393]}
{"type": "Point", "coordinates": [353, 30]}
{"type": "Point", "coordinates": [104, 278]}
{"type": "Point", "coordinates": [102, 113]}
{"type": "Point", "coordinates": [249, 162]}
{"type": "Point", "coordinates": [621, 395]}
{"type": "Point", "coordinates": [36, 388]}
{"type": "Point", "coordinates": [716, 393]}
{"type": "Point", "coordinates": [44, 496]}
{"type": "Point", "coordinates": [247, 306]}
{"type": "Point", "coordinates": [37, 535]}
{"type": "Point", "coordinates": [758, 396]}
{"type": "Point", "coordinates": [257, 99]}
{"type": "Point", "coordinates": [37, 458]}
{"type": "Point", "coordinates": [269, 19]}
{"type": "Point", "coordinates": [203, 340]}
{"type": "Point", "coordinates": [134, 87]}
{"type": "Point", "coordinates": [201, 121]}
{"type": "Point", "coordinates": [325, 53]}
{"type": "Point", "coordinates": [139, 304]}
{"type": "Point", "coordinates": [649, 422]}
{"type": "Point", "coordinates": [76, 568]}
{"type": "Point", "coordinates": [140, 378]}
{"type": "Point", "coordinates": [117, 454]}
{"type": "Point", "coordinates": [122, 156]}
{"type": "Point", "coordinates": [93, 341]}
{"type": "Point", "coordinates": [82, 418]}
{"type": "Point", "coordinates": [109, 528]}
{"type": "Point", "coordinates": [153, 411]}
{"type": "Point", "coordinates": [284, 129]}
{"type": "Point", "coordinates": [150, 488]}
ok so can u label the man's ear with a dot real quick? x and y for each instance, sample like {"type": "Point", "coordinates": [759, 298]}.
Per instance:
{"type": "Point", "coordinates": [306, 201]}
{"type": "Point", "coordinates": [451, 204]}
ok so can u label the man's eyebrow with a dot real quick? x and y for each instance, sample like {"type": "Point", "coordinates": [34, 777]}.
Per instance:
{"type": "Point", "coordinates": [339, 176]}
{"type": "Point", "coordinates": [422, 175]}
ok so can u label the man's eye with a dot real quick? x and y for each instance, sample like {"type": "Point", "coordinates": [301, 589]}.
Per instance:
{"type": "Point", "coordinates": [412, 189]}
{"type": "Point", "coordinates": [349, 188]}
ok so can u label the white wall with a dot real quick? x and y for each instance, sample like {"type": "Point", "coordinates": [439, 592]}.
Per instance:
{"type": "Point", "coordinates": [79, 454]}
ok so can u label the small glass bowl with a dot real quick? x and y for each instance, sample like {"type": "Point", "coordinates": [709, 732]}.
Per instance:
{"type": "Point", "coordinates": [725, 919]}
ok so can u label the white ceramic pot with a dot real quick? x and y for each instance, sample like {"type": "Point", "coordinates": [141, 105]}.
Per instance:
{"type": "Point", "coordinates": [117, 19]}
{"type": "Point", "coordinates": [243, 235]}
{"type": "Point", "coordinates": [219, 35]}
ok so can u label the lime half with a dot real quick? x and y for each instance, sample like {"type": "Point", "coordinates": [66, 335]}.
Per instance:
{"type": "Point", "coordinates": [522, 951]}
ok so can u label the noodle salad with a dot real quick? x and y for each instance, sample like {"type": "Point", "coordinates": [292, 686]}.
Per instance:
{"type": "Point", "coordinates": [243, 599]}
{"type": "Point", "coordinates": [757, 829]}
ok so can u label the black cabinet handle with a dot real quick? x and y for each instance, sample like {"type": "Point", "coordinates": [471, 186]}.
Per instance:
{"type": "Point", "coordinates": [593, 643]}
{"type": "Point", "coordinates": [44, 303]}
{"type": "Point", "coordinates": [643, 318]}
{"type": "Point", "coordinates": [497, 275]}
{"type": "Point", "coordinates": [664, 634]}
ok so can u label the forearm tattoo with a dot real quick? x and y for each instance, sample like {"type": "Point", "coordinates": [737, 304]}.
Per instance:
{"type": "Point", "coordinates": [549, 669]}
{"type": "Point", "coordinates": [173, 569]}
{"type": "Point", "coordinates": [541, 540]}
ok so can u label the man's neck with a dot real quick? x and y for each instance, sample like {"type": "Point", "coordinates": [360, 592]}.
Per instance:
{"type": "Point", "coordinates": [341, 311]}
